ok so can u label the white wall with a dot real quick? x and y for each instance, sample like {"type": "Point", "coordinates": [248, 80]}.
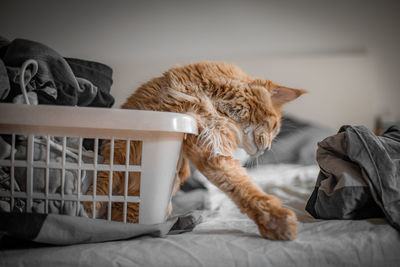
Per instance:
{"type": "Point", "coordinates": [344, 52]}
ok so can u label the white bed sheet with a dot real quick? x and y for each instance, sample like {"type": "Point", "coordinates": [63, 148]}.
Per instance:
{"type": "Point", "coordinates": [228, 238]}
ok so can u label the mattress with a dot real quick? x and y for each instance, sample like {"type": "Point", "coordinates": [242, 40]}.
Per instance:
{"type": "Point", "coordinates": [228, 238]}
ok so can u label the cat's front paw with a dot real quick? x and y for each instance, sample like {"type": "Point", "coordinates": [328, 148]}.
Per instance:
{"type": "Point", "coordinates": [275, 222]}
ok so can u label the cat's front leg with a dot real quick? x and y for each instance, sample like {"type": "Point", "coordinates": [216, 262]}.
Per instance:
{"type": "Point", "coordinates": [274, 221]}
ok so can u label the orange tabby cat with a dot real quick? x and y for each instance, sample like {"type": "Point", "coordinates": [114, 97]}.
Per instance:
{"type": "Point", "coordinates": [232, 110]}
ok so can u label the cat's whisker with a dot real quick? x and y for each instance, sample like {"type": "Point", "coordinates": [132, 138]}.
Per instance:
{"type": "Point", "coordinates": [273, 155]}
{"type": "Point", "coordinates": [257, 162]}
{"type": "Point", "coordinates": [252, 163]}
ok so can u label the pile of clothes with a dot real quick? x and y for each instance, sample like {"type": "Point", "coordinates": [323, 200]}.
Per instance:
{"type": "Point", "coordinates": [33, 73]}
{"type": "Point", "coordinates": [50, 78]}
{"type": "Point", "coordinates": [359, 177]}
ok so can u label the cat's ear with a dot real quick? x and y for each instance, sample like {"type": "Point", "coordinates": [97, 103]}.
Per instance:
{"type": "Point", "coordinates": [235, 111]}
{"type": "Point", "coordinates": [281, 95]}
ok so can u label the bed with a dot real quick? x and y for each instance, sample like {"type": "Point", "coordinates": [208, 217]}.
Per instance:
{"type": "Point", "coordinates": [225, 237]}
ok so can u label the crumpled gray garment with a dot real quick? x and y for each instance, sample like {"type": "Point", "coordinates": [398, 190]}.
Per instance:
{"type": "Point", "coordinates": [359, 177]}
{"type": "Point", "coordinates": [86, 91]}
{"type": "Point", "coordinates": [55, 181]}
{"type": "Point", "coordinates": [56, 80]}
{"type": "Point", "coordinates": [4, 82]}
{"type": "Point", "coordinates": [53, 70]}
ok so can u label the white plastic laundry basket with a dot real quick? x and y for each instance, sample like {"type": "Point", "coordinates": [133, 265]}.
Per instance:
{"type": "Point", "coordinates": [160, 133]}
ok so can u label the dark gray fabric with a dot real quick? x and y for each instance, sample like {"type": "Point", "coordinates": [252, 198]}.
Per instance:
{"type": "Point", "coordinates": [4, 83]}
{"type": "Point", "coordinates": [21, 225]}
{"type": "Point", "coordinates": [98, 74]}
{"type": "Point", "coordinates": [57, 74]}
{"type": "Point", "coordinates": [359, 177]}
{"type": "Point", "coordinates": [66, 230]}
{"type": "Point", "coordinates": [3, 45]}
{"type": "Point", "coordinates": [53, 71]}
{"type": "Point", "coordinates": [59, 229]}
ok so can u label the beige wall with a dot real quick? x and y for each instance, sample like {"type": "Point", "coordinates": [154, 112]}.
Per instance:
{"type": "Point", "coordinates": [342, 87]}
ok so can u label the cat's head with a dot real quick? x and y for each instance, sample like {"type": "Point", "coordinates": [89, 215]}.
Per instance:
{"type": "Point", "coordinates": [257, 110]}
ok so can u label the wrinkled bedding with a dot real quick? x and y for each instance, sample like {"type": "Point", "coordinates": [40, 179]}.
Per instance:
{"type": "Point", "coordinates": [228, 238]}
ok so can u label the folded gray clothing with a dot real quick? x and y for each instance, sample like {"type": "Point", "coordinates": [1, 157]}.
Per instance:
{"type": "Point", "coordinates": [359, 177]}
